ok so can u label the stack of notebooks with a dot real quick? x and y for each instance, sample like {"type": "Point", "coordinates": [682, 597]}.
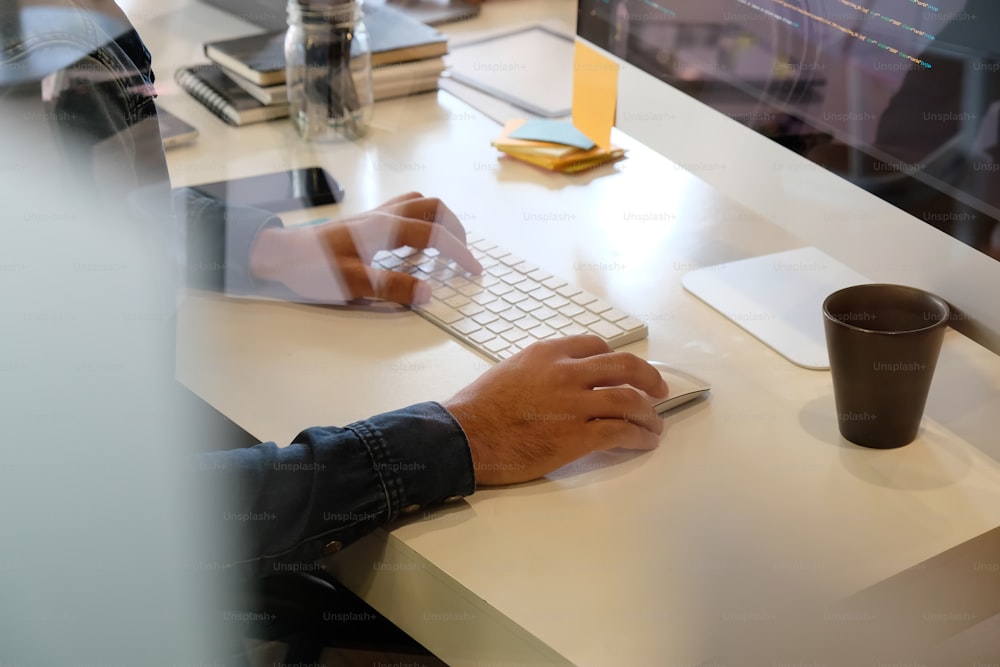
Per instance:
{"type": "Point", "coordinates": [553, 144]}
{"type": "Point", "coordinates": [245, 80]}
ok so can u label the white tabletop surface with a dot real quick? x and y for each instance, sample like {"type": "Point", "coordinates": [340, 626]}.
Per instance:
{"type": "Point", "coordinates": [751, 502]}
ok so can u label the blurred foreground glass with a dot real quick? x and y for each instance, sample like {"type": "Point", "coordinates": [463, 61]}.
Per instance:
{"type": "Point", "coordinates": [883, 342]}
{"type": "Point", "coordinates": [328, 69]}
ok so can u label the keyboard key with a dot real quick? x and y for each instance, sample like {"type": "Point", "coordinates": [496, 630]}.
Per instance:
{"type": "Point", "coordinates": [486, 280]}
{"type": "Point", "coordinates": [404, 252]}
{"type": "Point", "coordinates": [539, 275]}
{"type": "Point", "coordinates": [558, 322]}
{"type": "Point", "coordinates": [390, 262]}
{"type": "Point", "coordinates": [574, 329]}
{"type": "Point", "coordinates": [466, 326]}
{"type": "Point", "coordinates": [556, 302]}
{"type": "Point", "coordinates": [512, 314]}
{"type": "Point", "coordinates": [630, 324]}
{"type": "Point", "coordinates": [429, 265]}
{"type": "Point", "coordinates": [514, 335]}
{"type": "Point", "coordinates": [543, 313]}
{"type": "Point", "coordinates": [529, 305]}
{"type": "Point", "coordinates": [542, 293]}
{"type": "Point", "coordinates": [482, 336]}
{"type": "Point", "coordinates": [568, 291]}
{"type": "Point", "coordinates": [583, 298]}
{"type": "Point", "coordinates": [499, 326]}
{"type": "Point", "coordinates": [445, 274]}
{"type": "Point", "coordinates": [442, 312]}
{"type": "Point", "coordinates": [484, 298]}
{"type": "Point", "coordinates": [471, 309]}
{"type": "Point", "coordinates": [496, 345]}
{"type": "Point", "coordinates": [554, 283]}
{"type": "Point", "coordinates": [457, 300]}
{"type": "Point", "coordinates": [527, 285]}
{"type": "Point", "coordinates": [613, 315]}
{"type": "Point", "coordinates": [586, 318]}
{"type": "Point", "coordinates": [597, 306]}
{"type": "Point", "coordinates": [572, 310]}
{"type": "Point", "coordinates": [485, 317]}
{"type": "Point", "coordinates": [407, 268]}
{"type": "Point", "coordinates": [542, 332]}
{"type": "Point", "coordinates": [443, 292]}
{"type": "Point", "coordinates": [515, 297]}
{"type": "Point", "coordinates": [502, 289]}
{"type": "Point", "coordinates": [606, 330]}
{"type": "Point", "coordinates": [527, 323]}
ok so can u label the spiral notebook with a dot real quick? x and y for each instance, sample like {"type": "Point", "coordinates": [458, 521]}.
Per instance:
{"type": "Point", "coordinates": [209, 85]}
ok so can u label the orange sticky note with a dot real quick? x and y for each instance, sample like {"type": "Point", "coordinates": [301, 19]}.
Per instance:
{"type": "Point", "coordinates": [595, 93]}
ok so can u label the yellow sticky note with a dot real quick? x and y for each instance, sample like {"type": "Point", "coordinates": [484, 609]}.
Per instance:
{"type": "Point", "coordinates": [595, 93]}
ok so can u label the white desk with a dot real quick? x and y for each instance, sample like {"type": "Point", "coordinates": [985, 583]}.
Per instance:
{"type": "Point", "coordinates": [752, 499]}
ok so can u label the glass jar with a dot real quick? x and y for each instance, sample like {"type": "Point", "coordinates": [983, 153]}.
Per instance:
{"type": "Point", "coordinates": [328, 70]}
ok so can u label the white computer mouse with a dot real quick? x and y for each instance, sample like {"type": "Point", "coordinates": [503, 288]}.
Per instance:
{"type": "Point", "coordinates": [684, 387]}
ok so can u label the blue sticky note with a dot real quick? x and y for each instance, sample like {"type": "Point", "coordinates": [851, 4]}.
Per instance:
{"type": "Point", "coordinates": [553, 131]}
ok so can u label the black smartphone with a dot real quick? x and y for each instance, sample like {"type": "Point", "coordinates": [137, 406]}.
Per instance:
{"type": "Point", "coordinates": [278, 192]}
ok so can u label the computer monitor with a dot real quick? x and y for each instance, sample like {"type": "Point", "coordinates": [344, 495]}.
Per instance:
{"type": "Point", "coordinates": [867, 129]}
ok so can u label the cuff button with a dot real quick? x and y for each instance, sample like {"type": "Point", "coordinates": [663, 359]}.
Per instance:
{"type": "Point", "coordinates": [332, 548]}
{"type": "Point", "coordinates": [410, 509]}
{"type": "Point", "coordinates": [453, 499]}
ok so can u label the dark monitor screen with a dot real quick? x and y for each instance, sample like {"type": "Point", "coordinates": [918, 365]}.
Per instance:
{"type": "Point", "coordinates": [901, 97]}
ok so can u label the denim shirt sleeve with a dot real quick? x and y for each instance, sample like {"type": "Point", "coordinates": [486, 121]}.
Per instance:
{"type": "Point", "coordinates": [291, 505]}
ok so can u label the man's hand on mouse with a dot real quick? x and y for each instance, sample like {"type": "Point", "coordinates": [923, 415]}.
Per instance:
{"type": "Point", "coordinates": [538, 410]}
{"type": "Point", "coordinates": [331, 262]}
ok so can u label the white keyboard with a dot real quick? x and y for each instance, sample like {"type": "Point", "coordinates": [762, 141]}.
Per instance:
{"type": "Point", "coordinates": [511, 304]}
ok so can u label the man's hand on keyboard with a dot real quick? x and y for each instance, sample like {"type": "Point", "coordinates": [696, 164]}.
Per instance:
{"type": "Point", "coordinates": [538, 410]}
{"type": "Point", "coordinates": [331, 262]}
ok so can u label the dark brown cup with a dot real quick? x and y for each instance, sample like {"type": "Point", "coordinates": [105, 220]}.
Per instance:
{"type": "Point", "coordinates": [883, 342]}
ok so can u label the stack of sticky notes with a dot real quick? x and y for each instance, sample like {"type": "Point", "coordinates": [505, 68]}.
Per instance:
{"type": "Point", "coordinates": [553, 144]}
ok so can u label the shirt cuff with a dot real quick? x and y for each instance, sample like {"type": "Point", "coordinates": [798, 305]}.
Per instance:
{"type": "Point", "coordinates": [421, 456]}
{"type": "Point", "coordinates": [243, 226]}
